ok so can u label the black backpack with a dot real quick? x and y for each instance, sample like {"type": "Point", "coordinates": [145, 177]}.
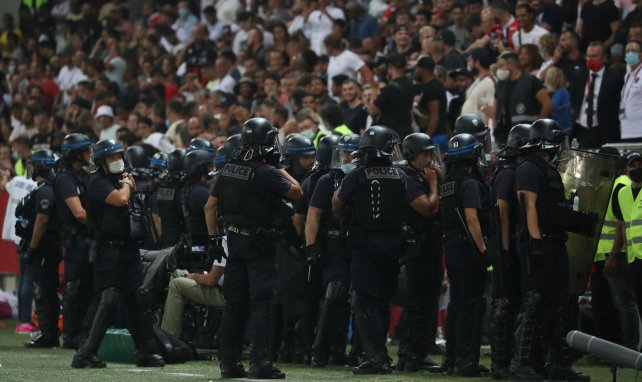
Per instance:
{"type": "Point", "coordinates": [26, 216]}
{"type": "Point", "coordinates": [173, 349]}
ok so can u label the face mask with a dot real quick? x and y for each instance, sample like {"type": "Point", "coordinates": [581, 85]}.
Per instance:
{"type": "Point", "coordinates": [636, 175]}
{"type": "Point", "coordinates": [594, 65]}
{"type": "Point", "coordinates": [348, 167]}
{"type": "Point", "coordinates": [632, 58]}
{"type": "Point", "coordinates": [183, 12]}
{"type": "Point", "coordinates": [15, 156]}
{"type": "Point", "coordinates": [117, 167]}
{"type": "Point", "coordinates": [309, 133]}
{"type": "Point", "coordinates": [503, 74]}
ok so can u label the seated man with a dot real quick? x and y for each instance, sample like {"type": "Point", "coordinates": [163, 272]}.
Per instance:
{"type": "Point", "coordinates": [204, 289]}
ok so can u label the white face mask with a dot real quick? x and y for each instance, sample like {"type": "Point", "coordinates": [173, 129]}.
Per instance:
{"type": "Point", "coordinates": [503, 74]}
{"type": "Point", "coordinates": [348, 167]}
{"type": "Point", "coordinates": [117, 167]}
{"type": "Point", "coordinates": [308, 133]}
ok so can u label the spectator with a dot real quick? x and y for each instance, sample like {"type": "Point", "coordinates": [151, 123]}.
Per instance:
{"type": "Point", "coordinates": [362, 25]}
{"type": "Point", "coordinates": [432, 103]}
{"type": "Point", "coordinates": [308, 125]}
{"type": "Point", "coordinates": [185, 22]}
{"type": "Point", "coordinates": [393, 104]}
{"type": "Point", "coordinates": [71, 74]}
{"type": "Point", "coordinates": [213, 24]}
{"type": "Point", "coordinates": [344, 61]}
{"type": "Point", "coordinates": [519, 98]}
{"type": "Point", "coordinates": [22, 147]}
{"type": "Point", "coordinates": [42, 139]}
{"type": "Point", "coordinates": [556, 85]}
{"type": "Point", "coordinates": [529, 58]}
{"type": "Point", "coordinates": [332, 118]}
{"type": "Point", "coordinates": [569, 57]}
{"type": "Point", "coordinates": [596, 100]}
{"type": "Point", "coordinates": [529, 32]}
{"type": "Point", "coordinates": [458, 26]}
{"type": "Point", "coordinates": [200, 51]}
{"type": "Point", "coordinates": [226, 72]}
{"type": "Point", "coordinates": [452, 58]}
{"type": "Point", "coordinates": [175, 117]}
{"type": "Point", "coordinates": [630, 106]}
{"type": "Point", "coordinates": [598, 21]}
{"type": "Point", "coordinates": [319, 90]}
{"type": "Point", "coordinates": [507, 23]}
{"type": "Point", "coordinates": [355, 112]}
{"type": "Point", "coordinates": [146, 132]}
{"type": "Point", "coordinates": [550, 16]}
{"type": "Point", "coordinates": [462, 79]}
{"type": "Point", "coordinates": [107, 127]}
{"type": "Point", "coordinates": [115, 65]}
{"type": "Point", "coordinates": [547, 45]}
{"type": "Point", "coordinates": [481, 93]}
{"type": "Point", "coordinates": [318, 23]}
{"type": "Point", "coordinates": [400, 43]}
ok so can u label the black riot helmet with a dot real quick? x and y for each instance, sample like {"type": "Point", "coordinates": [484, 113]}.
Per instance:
{"type": "Point", "coordinates": [225, 153]}
{"type": "Point", "coordinates": [175, 160]}
{"type": "Point", "coordinates": [138, 160]}
{"type": "Point", "coordinates": [297, 145]}
{"type": "Point", "coordinates": [73, 145]}
{"type": "Point", "coordinates": [415, 144]}
{"type": "Point", "coordinates": [471, 124]}
{"type": "Point", "coordinates": [465, 148]}
{"type": "Point", "coordinates": [198, 163]}
{"type": "Point", "coordinates": [379, 142]}
{"type": "Point", "coordinates": [233, 143]}
{"type": "Point", "coordinates": [342, 154]}
{"type": "Point", "coordinates": [43, 163]}
{"type": "Point", "coordinates": [517, 137]}
{"type": "Point", "coordinates": [200, 144]}
{"type": "Point", "coordinates": [324, 150]}
{"type": "Point", "coordinates": [158, 164]}
{"type": "Point", "coordinates": [259, 137]}
{"type": "Point", "coordinates": [545, 134]}
{"type": "Point", "coordinates": [103, 149]}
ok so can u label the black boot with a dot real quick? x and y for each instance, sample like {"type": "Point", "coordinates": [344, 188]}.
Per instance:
{"type": "Point", "coordinates": [41, 342]}
{"type": "Point", "coordinates": [265, 370]}
{"type": "Point", "coordinates": [84, 360]}
{"type": "Point", "coordinates": [47, 307]}
{"type": "Point", "coordinates": [232, 369]}
{"type": "Point", "coordinates": [521, 369]}
{"type": "Point", "coordinates": [141, 329]}
{"type": "Point", "coordinates": [147, 357]}
{"type": "Point", "coordinates": [500, 339]}
{"type": "Point", "coordinates": [368, 320]}
{"type": "Point", "coordinates": [375, 365]}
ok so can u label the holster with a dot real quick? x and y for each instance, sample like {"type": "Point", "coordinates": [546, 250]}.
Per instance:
{"type": "Point", "coordinates": [409, 244]}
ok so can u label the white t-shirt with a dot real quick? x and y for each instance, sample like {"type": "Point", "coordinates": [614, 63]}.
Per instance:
{"type": "Point", "coordinates": [160, 142]}
{"type": "Point", "coordinates": [480, 94]}
{"type": "Point", "coordinates": [319, 26]}
{"type": "Point", "coordinates": [110, 132]}
{"type": "Point", "coordinates": [347, 62]}
{"type": "Point", "coordinates": [631, 105]}
{"type": "Point", "coordinates": [116, 74]}
{"type": "Point", "coordinates": [531, 37]}
{"type": "Point", "coordinates": [18, 188]}
{"type": "Point", "coordinates": [68, 78]}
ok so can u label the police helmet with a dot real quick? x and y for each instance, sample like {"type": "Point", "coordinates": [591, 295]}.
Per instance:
{"type": "Point", "coordinates": [175, 160]}
{"type": "Point", "coordinates": [225, 153]}
{"type": "Point", "coordinates": [517, 138]}
{"type": "Point", "coordinates": [233, 143]}
{"type": "Point", "coordinates": [380, 141]}
{"type": "Point", "coordinates": [198, 162]}
{"type": "Point", "coordinates": [258, 132]}
{"type": "Point", "coordinates": [342, 153]}
{"type": "Point", "coordinates": [297, 145]}
{"type": "Point", "coordinates": [545, 134]}
{"type": "Point", "coordinates": [200, 144]}
{"type": "Point", "coordinates": [325, 148]}
{"type": "Point", "coordinates": [73, 146]}
{"type": "Point", "coordinates": [471, 124]}
{"type": "Point", "coordinates": [415, 144]}
{"type": "Point", "coordinates": [102, 150]}
{"type": "Point", "coordinates": [465, 147]}
{"type": "Point", "coordinates": [42, 164]}
{"type": "Point", "coordinates": [138, 160]}
{"type": "Point", "coordinates": [158, 163]}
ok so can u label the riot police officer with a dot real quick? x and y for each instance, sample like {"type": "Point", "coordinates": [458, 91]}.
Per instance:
{"type": "Point", "coordinates": [506, 289]}
{"type": "Point", "coordinates": [43, 247]}
{"type": "Point", "coordinates": [157, 168]}
{"type": "Point", "coordinates": [465, 222]}
{"type": "Point", "coordinates": [145, 189]}
{"type": "Point", "coordinates": [118, 271]}
{"type": "Point", "coordinates": [225, 153]}
{"type": "Point", "coordinates": [200, 144]}
{"type": "Point", "coordinates": [423, 259]}
{"type": "Point", "coordinates": [472, 124]}
{"type": "Point", "coordinates": [313, 286]}
{"type": "Point", "coordinates": [70, 192]}
{"type": "Point", "coordinates": [545, 216]}
{"type": "Point", "coordinates": [375, 192]}
{"type": "Point", "coordinates": [327, 249]}
{"type": "Point", "coordinates": [168, 210]}
{"type": "Point", "coordinates": [298, 155]}
{"type": "Point", "coordinates": [248, 196]}
{"type": "Point", "coordinates": [194, 195]}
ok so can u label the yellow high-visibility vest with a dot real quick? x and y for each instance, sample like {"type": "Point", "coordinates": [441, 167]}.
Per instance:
{"type": "Point", "coordinates": [632, 215]}
{"type": "Point", "coordinates": [607, 236]}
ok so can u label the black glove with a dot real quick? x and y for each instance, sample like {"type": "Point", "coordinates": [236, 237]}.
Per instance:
{"type": "Point", "coordinates": [588, 221]}
{"type": "Point", "coordinates": [30, 255]}
{"type": "Point", "coordinates": [312, 254]}
{"type": "Point", "coordinates": [274, 158]}
{"type": "Point", "coordinates": [215, 248]}
{"type": "Point", "coordinates": [485, 258]}
{"type": "Point", "coordinates": [537, 247]}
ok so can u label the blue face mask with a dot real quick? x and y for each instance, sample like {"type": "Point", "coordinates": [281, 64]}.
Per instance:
{"type": "Point", "coordinates": [183, 12]}
{"type": "Point", "coordinates": [348, 167]}
{"type": "Point", "coordinates": [632, 58]}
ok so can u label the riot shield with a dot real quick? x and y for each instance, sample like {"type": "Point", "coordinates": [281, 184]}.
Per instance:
{"type": "Point", "coordinates": [588, 178]}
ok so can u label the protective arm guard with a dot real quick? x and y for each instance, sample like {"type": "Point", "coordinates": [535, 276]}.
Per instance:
{"type": "Point", "coordinates": [580, 222]}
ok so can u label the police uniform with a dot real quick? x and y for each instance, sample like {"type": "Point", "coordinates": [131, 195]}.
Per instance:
{"type": "Point", "coordinates": [334, 265]}
{"type": "Point", "coordinates": [46, 257]}
{"type": "Point", "coordinates": [466, 270]}
{"type": "Point", "coordinates": [376, 195]}
{"type": "Point", "coordinates": [78, 271]}
{"type": "Point", "coordinates": [424, 272]}
{"type": "Point", "coordinates": [168, 206]}
{"type": "Point", "coordinates": [249, 193]}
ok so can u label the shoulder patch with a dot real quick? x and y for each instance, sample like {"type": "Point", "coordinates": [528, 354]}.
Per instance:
{"type": "Point", "coordinates": [448, 189]}
{"type": "Point", "coordinates": [382, 173]}
{"type": "Point", "coordinates": [44, 204]}
{"type": "Point", "coordinates": [165, 193]}
{"type": "Point", "coordinates": [237, 171]}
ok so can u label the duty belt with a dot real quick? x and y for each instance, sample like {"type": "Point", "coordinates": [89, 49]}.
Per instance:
{"type": "Point", "coordinates": [554, 236]}
{"type": "Point", "coordinates": [240, 230]}
{"type": "Point", "coordinates": [334, 233]}
{"type": "Point", "coordinates": [116, 243]}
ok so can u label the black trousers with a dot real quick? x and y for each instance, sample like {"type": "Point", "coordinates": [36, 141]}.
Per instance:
{"type": "Point", "coordinates": [587, 138]}
{"type": "Point", "coordinates": [46, 259]}
{"type": "Point", "coordinates": [607, 323]}
{"type": "Point", "coordinates": [249, 292]}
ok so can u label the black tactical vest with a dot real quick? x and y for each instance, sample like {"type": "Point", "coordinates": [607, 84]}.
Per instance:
{"type": "Point", "coordinates": [379, 199]}
{"type": "Point", "coordinates": [107, 222]}
{"type": "Point", "coordinates": [550, 197]}
{"type": "Point", "coordinates": [243, 202]}
{"type": "Point", "coordinates": [329, 220]}
{"type": "Point", "coordinates": [512, 203]}
{"type": "Point", "coordinates": [522, 106]}
{"type": "Point", "coordinates": [63, 213]}
{"type": "Point", "coordinates": [169, 210]}
{"type": "Point", "coordinates": [195, 224]}
{"type": "Point", "coordinates": [416, 221]}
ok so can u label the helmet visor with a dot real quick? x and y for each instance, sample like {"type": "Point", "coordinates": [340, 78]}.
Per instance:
{"type": "Point", "coordinates": [341, 156]}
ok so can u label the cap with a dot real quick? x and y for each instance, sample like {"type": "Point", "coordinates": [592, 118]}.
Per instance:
{"type": "Point", "coordinates": [426, 62]}
{"type": "Point", "coordinates": [245, 80]}
{"type": "Point", "coordinates": [632, 157]}
{"type": "Point", "coordinates": [447, 36]}
{"type": "Point", "coordinates": [460, 72]}
{"type": "Point", "coordinates": [397, 60]}
{"type": "Point", "coordinates": [105, 111]}
{"type": "Point", "coordinates": [482, 55]}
